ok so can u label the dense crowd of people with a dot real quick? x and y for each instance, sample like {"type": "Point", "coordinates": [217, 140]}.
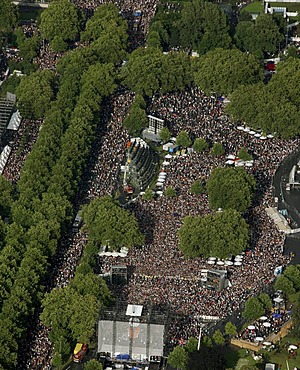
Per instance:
{"type": "Point", "coordinates": [161, 276]}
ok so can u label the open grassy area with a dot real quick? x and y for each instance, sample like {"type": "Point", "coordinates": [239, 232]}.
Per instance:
{"type": "Point", "coordinates": [236, 357]}
{"type": "Point", "coordinates": [291, 7]}
{"type": "Point", "coordinates": [255, 7]}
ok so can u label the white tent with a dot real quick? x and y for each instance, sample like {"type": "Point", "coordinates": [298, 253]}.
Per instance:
{"type": "Point", "coordinates": [230, 156]}
{"type": "Point", "coordinates": [266, 324]}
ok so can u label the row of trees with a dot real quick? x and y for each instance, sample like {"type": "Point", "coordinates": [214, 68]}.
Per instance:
{"type": "Point", "coordinates": [273, 107]}
{"type": "Point", "coordinates": [202, 26]}
{"type": "Point", "coordinates": [71, 312]}
{"type": "Point", "coordinates": [48, 183]}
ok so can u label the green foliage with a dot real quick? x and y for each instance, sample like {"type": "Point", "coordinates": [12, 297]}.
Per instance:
{"type": "Point", "coordinates": [148, 194]}
{"type": "Point", "coordinates": [253, 309]}
{"type": "Point", "coordinates": [29, 48]}
{"type": "Point", "coordinates": [178, 358]}
{"type": "Point", "coordinates": [108, 222]}
{"type": "Point", "coordinates": [218, 337]}
{"type": "Point", "coordinates": [230, 329]}
{"type": "Point", "coordinates": [6, 199]}
{"type": "Point", "coordinates": [63, 310]}
{"type": "Point", "coordinates": [58, 44]}
{"type": "Point", "coordinates": [153, 40]}
{"type": "Point", "coordinates": [259, 37]}
{"type": "Point", "coordinates": [274, 106]}
{"type": "Point", "coordinates": [285, 284]}
{"type": "Point", "coordinates": [106, 20]}
{"type": "Point", "coordinates": [183, 139]}
{"type": "Point", "coordinates": [35, 93]}
{"type": "Point", "coordinates": [90, 283]}
{"type": "Point", "coordinates": [244, 154]}
{"type": "Point", "coordinates": [237, 68]}
{"type": "Point", "coordinates": [93, 365]}
{"type": "Point", "coordinates": [148, 71]}
{"type": "Point", "coordinates": [170, 192]}
{"type": "Point", "coordinates": [230, 188]}
{"type": "Point", "coordinates": [136, 120]}
{"type": "Point", "coordinates": [10, 84]}
{"type": "Point", "coordinates": [220, 235]}
{"type": "Point", "coordinates": [200, 145]}
{"type": "Point", "coordinates": [62, 18]}
{"type": "Point", "coordinates": [197, 187]}
{"type": "Point", "coordinates": [206, 341]}
{"type": "Point", "coordinates": [266, 301]}
{"type": "Point", "coordinates": [8, 16]}
{"type": "Point", "coordinates": [165, 134]}
{"type": "Point", "coordinates": [191, 345]}
{"type": "Point", "coordinates": [296, 319]}
{"type": "Point", "coordinates": [203, 27]}
{"type": "Point", "coordinates": [217, 150]}
{"type": "Point", "coordinates": [109, 49]}
{"type": "Point", "coordinates": [207, 358]}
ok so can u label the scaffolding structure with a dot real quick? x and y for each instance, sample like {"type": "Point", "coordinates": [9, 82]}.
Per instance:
{"type": "Point", "coordinates": [6, 109]}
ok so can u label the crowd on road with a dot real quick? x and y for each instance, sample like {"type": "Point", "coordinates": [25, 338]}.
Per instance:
{"type": "Point", "coordinates": [161, 276]}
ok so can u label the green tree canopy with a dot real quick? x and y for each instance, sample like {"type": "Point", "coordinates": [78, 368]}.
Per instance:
{"type": "Point", "coordinates": [197, 187]}
{"type": "Point", "coordinates": [296, 318]}
{"type": "Point", "coordinates": [93, 365]}
{"type": "Point", "coordinates": [285, 284]}
{"type": "Point", "coordinates": [63, 19]}
{"type": "Point", "coordinates": [35, 93]}
{"type": "Point", "coordinates": [253, 309]}
{"type": "Point", "coordinates": [106, 20]}
{"type": "Point", "coordinates": [170, 192]}
{"type": "Point", "coordinates": [203, 26]}
{"type": "Point", "coordinates": [222, 234]}
{"type": "Point", "coordinates": [148, 70]}
{"type": "Point", "coordinates": [259, 37]}
{"type": "Point", "coordinates": [273, 106]}
{"type": "Point", "coordinates": [6, 199]}
{"type": "Point", "coordinates": [244, 154]}
{"type": "Point", "coordinates": [218, 337]}
{"type": "Point", "coordinates": [136, 120]}
{"type": "Point", "coordinates": [63, 310]}
{"type": "Point", "coordinates": [8, 16]}
{"type": "Point", "coordinates": [207, 358]}
{"type": "Point", "coordinates": [230, 188]}
{"type": "Point", "coordinates": [217, 150]}
{"type": "Point", "coordinates": [222, 71]}
{"type": "Point", "coordinates": [230, 329]}
{"type": "Point", "coordinates": [200, 145]}
{"type": "Point", "coordinates": [183, 139]}
{"type": "Point", "coordinates": [108, 223]}
{"type": "Point", "coordinates": [165, 134]}
{"type": "Point", "coordinates": [178, 358]}
{"type": "Point", "coordinates": [266, 301]}
{"type": "Point", "coordinates": [58, 45]}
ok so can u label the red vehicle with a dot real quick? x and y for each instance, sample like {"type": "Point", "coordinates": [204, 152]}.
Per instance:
{"type": "Point", "coordinates": [270, 66]}
{"type": "Point", "coordinates": [80, 351]}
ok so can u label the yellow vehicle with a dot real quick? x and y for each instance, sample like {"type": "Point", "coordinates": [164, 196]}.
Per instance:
{"type": "Point", "coordinates": [80, 351]}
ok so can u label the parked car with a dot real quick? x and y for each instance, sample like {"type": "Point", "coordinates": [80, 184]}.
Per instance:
{"type": "Point", "coordinates": [80, 351]}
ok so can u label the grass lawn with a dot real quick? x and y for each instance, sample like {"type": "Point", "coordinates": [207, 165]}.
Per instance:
{"type": "Point", "coordinates": [255, 6]}
{"type": "Point", "coordinates": [237, 357]}
{"type": "Point", "coordinates": [291, 7]}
